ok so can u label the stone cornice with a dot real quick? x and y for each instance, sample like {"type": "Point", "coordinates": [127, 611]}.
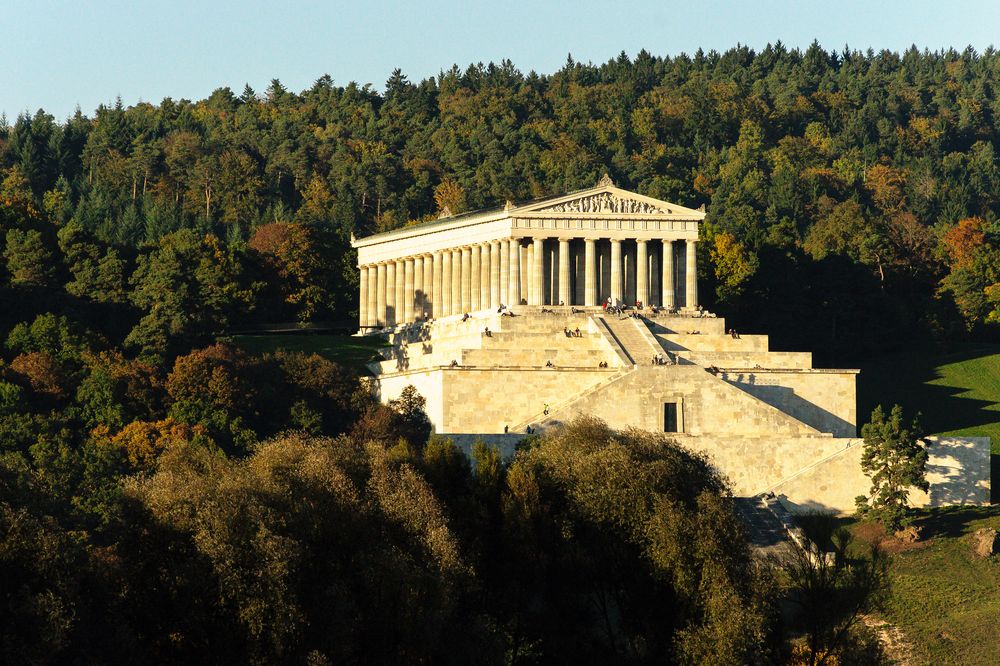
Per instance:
{"type": "Point", "coordinates": [603, 212]}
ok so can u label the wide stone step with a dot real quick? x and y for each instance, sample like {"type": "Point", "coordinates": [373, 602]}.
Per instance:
{"type": "Point", "coordinates": [712, 343]}
{"type": "Point", "coordinates": [533, 357]}
{"type": "Point", "coordinates": [766, 534]}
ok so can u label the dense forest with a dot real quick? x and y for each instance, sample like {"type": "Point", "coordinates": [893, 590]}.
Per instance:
{"type": "Point", "coordinates": [165, 495]}
{"type": "Point", "coordinates": [856, 191]}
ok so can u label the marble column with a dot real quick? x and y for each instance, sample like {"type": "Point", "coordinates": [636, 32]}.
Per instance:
{"type": "Point", "coordinates": [400, 291]}
{"type": "Point", "coordinates": [418, 288]}
{"type": "Point", "coordinates": [380, 295]}
{"type": "Point", "coordinates": [372, 296]}
{"type": "Point", "coordinates": [514, 292]}
{"type": "Point", "coordinates": [484, 276]}
{"type": "Point", "coordinates": [641, 273]}
{"type": "Point", "coordinates": [504, 273]}
{"type": "Point", "coordinates": [437, 302]}
{"type": "Point", "coordinates": [537, 271]}
{"type": "Point", "coordinates": [691, 288]}
{"type": "Point", "coordinates": [390, 294]}
{"type": "Point", "coordinates": [669, 290]}
{"type": "Point", "coordinates": [428, 284]}
{"type": "Point", "coordinates": [654, 278]}
{"type": "Point", "coordinates": [466, 279]}
{"type": "Point", "coordinates": [456, 281]}
{"type": "Point", "coordinates": [445, 291]}
{"type": "Point", "coordinates": [363, 298]}
{"type": "Point", "coordinates": [590, 272]}
{"type": "Point", "coordinates": [494, 274]}
{"type": "Point", "coordinates": [616, 272]}
{"type": "Point", "coordinates": [474, 275]}
{"type": "Point", "coordinates": [408, 290]}
{"type": "Point", "coordinates": [529, 274]}
{"type": "Point", "coordinates": [565, 294]}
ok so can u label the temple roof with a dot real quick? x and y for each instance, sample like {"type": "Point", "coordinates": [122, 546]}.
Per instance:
{"type": "Point", "coordinates": [605, 199]}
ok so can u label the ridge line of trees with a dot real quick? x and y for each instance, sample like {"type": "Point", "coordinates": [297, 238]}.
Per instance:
{"type": "Point", "coordinates": [871, 178]}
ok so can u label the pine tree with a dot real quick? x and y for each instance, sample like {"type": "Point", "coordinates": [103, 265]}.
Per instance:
{"type": "Point", "coordinates": [896, 460]}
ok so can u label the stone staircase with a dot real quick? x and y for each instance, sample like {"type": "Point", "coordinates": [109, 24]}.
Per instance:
{"type": "Point", "coordinates": [634, 342]}
{"type": "Point", "coordinates": [540, 419]}
{"type": "Point", "coordinates": [634, 337]}
{"type": "Point", "coordinates": [767, 535]}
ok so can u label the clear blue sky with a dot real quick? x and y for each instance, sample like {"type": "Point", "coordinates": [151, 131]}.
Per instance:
{"type": "Point", "coordinates": [57, 55]}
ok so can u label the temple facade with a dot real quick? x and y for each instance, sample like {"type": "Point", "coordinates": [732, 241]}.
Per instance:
{"type": "Point", "coordinates": [769, 420]}
{"type": "Point", "coordinates": [579, 249]}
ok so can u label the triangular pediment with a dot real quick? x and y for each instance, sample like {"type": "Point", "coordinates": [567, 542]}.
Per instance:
{"type": "Point", "coordinates": [609, 200]}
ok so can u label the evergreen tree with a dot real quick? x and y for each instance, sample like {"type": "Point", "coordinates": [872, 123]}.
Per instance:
{"type": "Point", "coordinates": [895, 459]}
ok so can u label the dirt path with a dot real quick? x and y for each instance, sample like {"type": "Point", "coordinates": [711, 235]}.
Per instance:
{"type": "Point", "coordinates": [896, 645]}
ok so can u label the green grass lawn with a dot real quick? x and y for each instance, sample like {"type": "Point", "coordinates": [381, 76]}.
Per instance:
{"type": "Point", "coordinates": [957, 393]}
{"type": "Point", "coordinates": [947, 603]}
{"type": "Point", "coordinates": [348, 350]}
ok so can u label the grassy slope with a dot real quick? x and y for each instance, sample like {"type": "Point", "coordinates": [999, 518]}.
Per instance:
{"type": "Point", "coordinates": [946, 602]}
{"type": "Point", "coordinates": [349, 350]}
{"type": "Point", "coordinates": [957, 393]}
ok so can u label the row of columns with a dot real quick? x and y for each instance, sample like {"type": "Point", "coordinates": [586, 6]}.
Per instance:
{"type": "Point", "coordinates": [505, 272]}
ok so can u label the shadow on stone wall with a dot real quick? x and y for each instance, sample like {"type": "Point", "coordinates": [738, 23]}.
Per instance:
{"type": "Point", "coordinates": [958, 470]}
{"type": "Point", "coordinates": [788, 401]}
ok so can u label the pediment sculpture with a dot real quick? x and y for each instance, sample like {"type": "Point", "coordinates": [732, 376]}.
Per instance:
{"type": "Point", "coordinates": [606, 202]}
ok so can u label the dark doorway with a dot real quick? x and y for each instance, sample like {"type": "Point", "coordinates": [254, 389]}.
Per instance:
{"type": "Point", "coordinates": [670, 417]}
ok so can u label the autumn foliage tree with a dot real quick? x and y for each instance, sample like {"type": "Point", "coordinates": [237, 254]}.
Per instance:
{"type": "Point", "coordinates": [298, 269]}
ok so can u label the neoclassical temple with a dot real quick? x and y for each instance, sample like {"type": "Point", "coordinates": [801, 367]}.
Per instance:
{"type": "Point", "coordinates": [769, 420]}
{"type": "Point", "coordinates": [577, 249]}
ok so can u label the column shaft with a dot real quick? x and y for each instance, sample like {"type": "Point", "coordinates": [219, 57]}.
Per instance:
{"type": "Point", "coordinates": [418, 288]}
{"type": "Point", "coordinates": [641, 273]}
{"type": "Point", "coordinates": [669, 290]}
{"type": "Point", "coordinates": [484, 276]}
{"type": "Point", "coordinates": [529, 274]}
{"type": "Point", "coordinates": [537, 277]}
{"type": "Point", "coordinates": [494, 274]}
{"type": "Point", "coordinates": [590, 273]}
{"type": "Point", "coordinates": [514, 292]}
{"type": "Point", "coordinates": [437, 303]}
{"type": "Point", "coordinates": [616, 271]}
{"type": "Point", "coordinates": [504, 273]}
{"type": "Point", "coordinates": [565, 294]}
{"type": "Point", "coordinates": [428, 284]}
{"type": "Point", "coordinates": [691, 291]}
{"type": "Point", "coordinates": [408, 290]}
{"type": "Point", "coordinates": [444, 293]}
{"type": "Point", "coordinates": [400, 291]}
{"type": "Point", "coordinates": [466, 279]}
{"type": "Point", "coordinates": [654, 278]}
{"type": "Point", "coordinates": [363, 298]}
{"type": "Point", "coordinates": [456, 282]}
{"type": "Point", "coordinates": [390, 294]}
{"type": "Point", "coordinates": [475, 274]}
{"type": "Point", "coordinates": [380, 296]}
{"type": "Point", "coordinates": [372, 296]}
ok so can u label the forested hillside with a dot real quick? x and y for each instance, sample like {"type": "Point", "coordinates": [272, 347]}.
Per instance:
{"type": "Point", "coordinates": [167, 496]}
{"type": "Point", "coordinates": [856, 191]}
